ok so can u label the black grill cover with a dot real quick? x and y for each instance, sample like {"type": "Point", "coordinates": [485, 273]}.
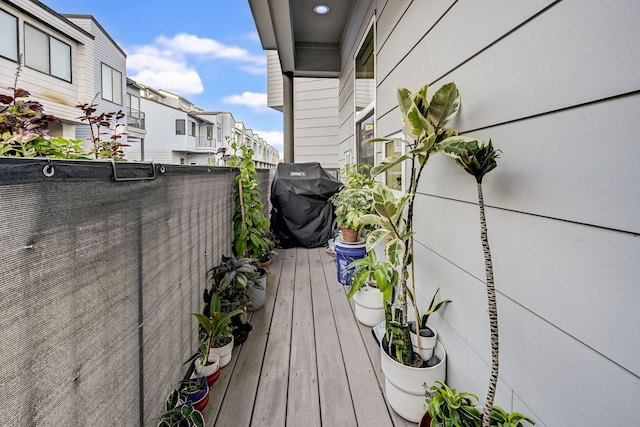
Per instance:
{"type": "Point", "coordinates": [302, 214]}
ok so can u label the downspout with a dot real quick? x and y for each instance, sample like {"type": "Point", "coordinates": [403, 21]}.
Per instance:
{"type": "Point", "coordinates": [287, 109]}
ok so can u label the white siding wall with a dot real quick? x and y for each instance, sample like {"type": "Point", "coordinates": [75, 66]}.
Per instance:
{"type": "Point", "coordinates": [161, 139]}
{"type": "Point", "coordinates": [561, 100]}
{"type": "Point", "coordinates": [316, 121]}
{"type": "Point", "coordinates": [274, 81]}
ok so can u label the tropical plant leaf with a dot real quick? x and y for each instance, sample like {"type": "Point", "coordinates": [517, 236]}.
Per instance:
{"type": "Point", "coordinates": [444, 105]}
{"type": "Point", "coordinates": [375, 237]}
{"type": "Point", "coordinates": [387, 163]}
{"type": "Point", "coordinates": [394, 251]}
{"type": "Point", "coordinates": [455, 145]}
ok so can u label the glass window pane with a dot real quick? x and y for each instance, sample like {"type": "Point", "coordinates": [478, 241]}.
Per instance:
{"type": "Point", "coordinates": [107, 83]}
{"type": "Point", "coordinates": [366, 131]}
{"type": "Point", "coordinates": [60, 59]}
{"type": "Point", "coordinates": [36, 49]}
{"type": "Point", "coordinates": [365, 73]}
{"type": "Point", "coordinates": [394, 174]}
{"type": "Point", "coordinates": [180, 127]}
{"type": "Point", "coordinates": [116, 77]}
{"type": "Point", "coordinates": [8, 36]}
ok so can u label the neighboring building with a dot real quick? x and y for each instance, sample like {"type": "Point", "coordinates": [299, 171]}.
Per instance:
{"type": "Point", "coordinates": [57, 60]}
{"type": "Point", "coordinates": [315, 104]}
{"type": "Point", "coordinates": [70, 59]}
{"type": "Point", "coordinates": [561, 100]}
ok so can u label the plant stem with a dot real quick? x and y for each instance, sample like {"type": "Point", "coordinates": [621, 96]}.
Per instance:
{"type": "Point", "coordinates": [493, 312]}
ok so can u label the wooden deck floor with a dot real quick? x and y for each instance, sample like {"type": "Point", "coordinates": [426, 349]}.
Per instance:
{"type": "Point", "coordinates": [308, 361]}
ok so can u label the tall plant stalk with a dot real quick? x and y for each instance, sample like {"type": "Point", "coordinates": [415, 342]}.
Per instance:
{"type": "Point", "coordinates": [477, 159]}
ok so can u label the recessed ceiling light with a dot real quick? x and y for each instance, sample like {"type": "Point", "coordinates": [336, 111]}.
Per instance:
{"type": "Point", "coordinates": [321, 9]}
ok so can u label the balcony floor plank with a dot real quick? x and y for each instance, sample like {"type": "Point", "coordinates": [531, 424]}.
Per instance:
{"type": "Point", "coordinates": [307, 361]}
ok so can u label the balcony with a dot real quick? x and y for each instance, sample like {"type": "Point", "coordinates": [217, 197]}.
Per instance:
{"type": "Point", "coordinates": [135, 118]}
{"type": "Point", "coordinates": [98, 294]}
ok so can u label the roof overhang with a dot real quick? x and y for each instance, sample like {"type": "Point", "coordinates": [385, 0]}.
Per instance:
{"type": "Point", "coordinates": [308, 44]}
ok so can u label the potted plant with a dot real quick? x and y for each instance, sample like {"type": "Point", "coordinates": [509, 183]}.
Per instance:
{"type": "Point", "coordinates": [354, 200]}
{"type": "Point", "coordinates": [371, 285]}
{"type": "Point", "coordinates": [452, 408]}
{"type": "Point", "coordinates": [195, 391]}
{"type": "Point", "coordinates": [216, 330]}
{"type": "Point", "coordinates": [428, 334]}
{"type": "Point", "coordinates": [252, 230]}
{"type": "Point", "coordinates": [232, 280]}
{"type": "Point", "coordinates": [178, 413]}
{"type": "Point", "coordinates": [424, 124]}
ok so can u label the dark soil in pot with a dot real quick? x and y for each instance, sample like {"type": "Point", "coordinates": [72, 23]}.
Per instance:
{"type": "Point", "coordinates": [417, 360]}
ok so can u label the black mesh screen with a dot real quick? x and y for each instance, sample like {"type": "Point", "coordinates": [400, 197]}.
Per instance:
{"type": "Point", "coordinates": [98, 281]}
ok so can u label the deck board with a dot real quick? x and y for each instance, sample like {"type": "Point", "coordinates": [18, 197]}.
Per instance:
{"type": "Point", "coordinates": [307, 362]}
{"type": "Point", "coordinates": [335, 398]}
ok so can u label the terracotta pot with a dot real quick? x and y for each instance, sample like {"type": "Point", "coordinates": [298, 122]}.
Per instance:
{"type": "Point", "coordinates": [349, 234]}
{"type": "Point", "coordinates": [265, 264]}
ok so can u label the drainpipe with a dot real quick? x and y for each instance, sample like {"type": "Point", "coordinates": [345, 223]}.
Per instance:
{"type": "Point", "coordinates": [287, 109]}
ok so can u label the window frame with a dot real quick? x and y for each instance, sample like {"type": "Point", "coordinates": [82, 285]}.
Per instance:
{"type": "Point", "coordinates": [369, 111]}
{"type": "Point", "coordinates": [48, 70]}
{"type": "Point", "coordinates": [111, 70]}
{"type": "Point", "coordinates": [181, 127]}
{"type": "Point", "coordinates": [17, 37]}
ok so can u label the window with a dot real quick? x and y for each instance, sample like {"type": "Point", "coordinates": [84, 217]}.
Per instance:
{"type": "Point", "coordinates": [8, 36]}
{"type": "Point", "coordinates": [365, 131]}
{"type": "Point", "coordinates": [192, 129]}
{"type": "Point", "coordinates": [180, 129]}
{"type": "Point", "coordinates": [219, 133]}
{"type": "Point", "coordinates": [365, 73]}
{"type": "Point", "coordinates": [209, 133]}
{"type": "Point", "coordinates": [394, 175]}
{"type": "Point", "coordinates": [47, 54]}
{"type": "Point", "coordinates": [111, 84]}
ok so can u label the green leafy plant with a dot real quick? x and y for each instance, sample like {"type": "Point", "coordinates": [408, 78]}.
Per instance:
{"type": "Point", "coordinates": [370, 271]}
{"type": "Point", "coordinates": [180, 414]}
{"type": "Point", "coordinates": [451, 408]}
{"type": "Point", "coordinates": [355, 199]}
{"type": "Point", "coordinates": [230, 281]}
{"type": "Point", "coordinates": [433, 307]}
{"type": "Point", "coordinates": [214, 327]}
{"type": "Point", "coordinates": [252, 230]}
{"type": "Point", "coordinates": [424, 125]}
{"type": "Point", "coordinates": [101, 125]}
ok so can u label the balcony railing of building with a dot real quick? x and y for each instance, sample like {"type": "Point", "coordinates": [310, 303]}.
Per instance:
{"type": "Point", "coordinates": [135, 118]}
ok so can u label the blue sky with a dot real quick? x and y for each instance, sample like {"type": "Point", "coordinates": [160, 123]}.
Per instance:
{"type": "Point", "coordinates": [208, 51]}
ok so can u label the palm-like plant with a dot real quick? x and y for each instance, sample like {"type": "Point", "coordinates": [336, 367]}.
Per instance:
{"type": "Point", "coordinates": [478, 158]}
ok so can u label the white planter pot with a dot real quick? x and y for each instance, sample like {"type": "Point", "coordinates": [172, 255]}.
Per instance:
{"type": "Point", "coordinates": [369, 306]}
{"type": "Point", "coordinates": [404, 384]}
{"type": "Point", "coordinates": [224, 353]}
{"type": "Point", "coordinates": [211, 368]}
{"type": "Point", "coordinates": [427, 344]}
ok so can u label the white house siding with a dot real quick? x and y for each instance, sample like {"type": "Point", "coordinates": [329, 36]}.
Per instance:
{"type": "Point", "coordinates": [58, 96]}
{"type": "Point", "coordinates": [316, 121]}
{"type": "Point", "coordinates": [274, 81]}
{"type": "Point", "coordinates": [102, 50]}
{"type": "Point", "coordinates": [161, 139]}
{"type": "Point", "coordinates": [555, 86]}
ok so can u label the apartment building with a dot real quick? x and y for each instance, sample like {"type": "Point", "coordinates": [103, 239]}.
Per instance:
{"type": "Point", "coordinates": [71, 59]}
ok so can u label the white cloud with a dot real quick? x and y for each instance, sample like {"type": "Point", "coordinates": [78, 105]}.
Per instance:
{"type": "Point", "coordinates": [249, 99]}
{"type": "Point", "coordinates": [165, 63]}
